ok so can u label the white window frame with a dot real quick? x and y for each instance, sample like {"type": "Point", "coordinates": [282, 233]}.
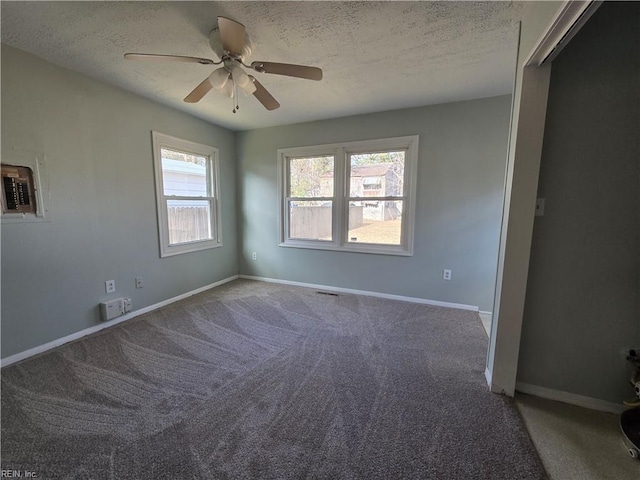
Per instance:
{"type": "Point", "coordinates": [161, 140]}
{"type": "Point", "coordinates": [340, 200]}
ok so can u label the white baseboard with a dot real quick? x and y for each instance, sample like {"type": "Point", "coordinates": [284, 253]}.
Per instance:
{"type": "Point", "coordinates": [96, 328]}
{"type": "Point", "coordinates": [482, 312]}
{"type": "Point", "coordinates": [570, 398]}
{"type": "Point", "coordinates": [496, 388]}
{"type": "Point", "coordinates": [460, 306]}
{"type": "Point", "coordinates": [488, 375]}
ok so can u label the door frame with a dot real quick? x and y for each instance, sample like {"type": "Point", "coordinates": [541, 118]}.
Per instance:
{"type": "Point", "coordinates": [528, 114]}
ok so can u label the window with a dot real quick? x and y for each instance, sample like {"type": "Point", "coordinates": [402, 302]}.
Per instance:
{"type": "Point", "coordinates": [357, 196]}
{"type": "Point", "coordinates": [310, 197]}
{"type": "Point", "coordinates": [187, 194]}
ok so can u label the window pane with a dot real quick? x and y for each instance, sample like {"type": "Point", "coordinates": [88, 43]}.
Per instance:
{"type": "Point", "coordinates": [377, 174]}
{"type": "Point", "coordinates": [310, 220]}
{"type": "Point", "coordinates": [189, 221]}
{"type": "Point", "coordinates": [378, 221]}
{"type": "Point", "coordinates": [184, 174]}
{"type": "Point", "coordinates": [311, 177]}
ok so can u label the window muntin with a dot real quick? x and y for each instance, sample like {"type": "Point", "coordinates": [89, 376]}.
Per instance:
{"type": "Point", "coordinates": [364, 192]}
{"type": "Point", "coordinates": [187, 194]}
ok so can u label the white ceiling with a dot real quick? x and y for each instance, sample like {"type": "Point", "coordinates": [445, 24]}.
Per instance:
{"type": "Point", "coordinates": [375, 56]}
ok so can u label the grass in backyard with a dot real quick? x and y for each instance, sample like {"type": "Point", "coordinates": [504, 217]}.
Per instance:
{"type": "Point", "coordinates": [377, 231]}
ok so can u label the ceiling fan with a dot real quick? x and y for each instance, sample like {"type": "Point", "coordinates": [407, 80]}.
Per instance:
{"type": "Point", "coordinates": [233, 46]}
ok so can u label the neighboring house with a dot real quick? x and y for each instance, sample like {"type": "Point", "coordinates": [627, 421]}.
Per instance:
{"type": "Point", "coordinates": [381, 180]}
{"type": "Point", "coordinates": [184, 179]}
{"type": "Point", "coordinates": [375, 181]}
{"type": "Point", "coordinates": [188, 219]}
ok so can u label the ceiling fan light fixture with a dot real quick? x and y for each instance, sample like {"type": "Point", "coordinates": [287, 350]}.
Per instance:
{"type": "Point", "coordinates": [240, 77]}
{"type": "Point", "coordinates": [219, 78]}
{"type": "Point", "coordinates": [228, 89]}
{"type": "Point", "coordinates": [242, 80]}
{"type": "Point", "coordinates": [249, 89]}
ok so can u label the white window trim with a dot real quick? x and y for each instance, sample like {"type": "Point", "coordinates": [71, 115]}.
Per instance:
{"type": "Point", "coordinates": [161, 140]}
{"type": "Point", "coordinates": [340, 212]}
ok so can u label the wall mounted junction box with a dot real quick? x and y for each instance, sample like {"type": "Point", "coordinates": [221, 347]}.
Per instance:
{"type": "Point", "coordinates": [112, 308]}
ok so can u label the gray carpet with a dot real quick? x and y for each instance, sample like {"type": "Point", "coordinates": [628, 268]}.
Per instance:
{"type": "Point", "coordinates": [264, 381]}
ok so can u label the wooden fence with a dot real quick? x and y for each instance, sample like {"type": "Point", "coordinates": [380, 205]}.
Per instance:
{"type": "Point", "coordinates": [188, 224]}
{"type": "Point", "coordinates": [314, 223]}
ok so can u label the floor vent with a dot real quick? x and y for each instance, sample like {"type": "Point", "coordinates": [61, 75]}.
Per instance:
{"type": "Point", "coordinates": [328, 293]}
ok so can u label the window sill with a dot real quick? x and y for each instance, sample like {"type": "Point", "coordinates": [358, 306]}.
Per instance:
{"type": "Point", "coordinates": [360, 248]}
{"type": "Point", "coordinates": [178, 249]}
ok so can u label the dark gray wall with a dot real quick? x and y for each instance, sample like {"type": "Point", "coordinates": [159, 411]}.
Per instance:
{"type": "Point", "coordinates": [97, 142]}
{"type": "Point", "coordinates": [461, 171]}
{"type": "Point", "coordinates": [582, 305]}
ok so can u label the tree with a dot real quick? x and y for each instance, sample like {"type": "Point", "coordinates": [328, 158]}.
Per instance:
{"type": "Point", "coordinates": [306, 175]}
{"type": "Point", "coordinates": [183, 157]}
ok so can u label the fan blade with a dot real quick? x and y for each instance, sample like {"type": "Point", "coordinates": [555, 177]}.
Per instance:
{"type": "Point", "coordinates": [232, 35]}
{"type": "Point", "coordinates": [300, 71]}
{"type": "Point", "coordinates": [199, 92]}
{"type": "Point", "coordinates": [168, 58]}
{"type": "Point", "coordinates": [263, 96]}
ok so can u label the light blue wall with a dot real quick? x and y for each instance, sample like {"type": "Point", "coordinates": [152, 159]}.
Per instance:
{"type": "Point", "coordinates": [582, 309]}
{"type": "Point", "coordinates": [97, 142]}
{"type": "Point", "coordinates": [461, 170]}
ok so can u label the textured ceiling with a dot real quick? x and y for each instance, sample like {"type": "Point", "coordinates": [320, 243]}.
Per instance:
{"type": "Point", "coordinates": [375, 56]}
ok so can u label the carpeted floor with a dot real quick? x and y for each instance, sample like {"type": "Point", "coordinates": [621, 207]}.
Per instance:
{"type": "Point", "coordinates": [264, 381]}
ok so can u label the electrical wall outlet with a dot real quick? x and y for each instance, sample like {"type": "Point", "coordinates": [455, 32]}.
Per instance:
{"type": "Point", "coordinates": [139, 283]}
{"type": "Point", "coordinates": [110, 286]}
{"type": "Point", "coordinates": [254, 256]}
{"type": "Point", "coordinates": [446, 274]}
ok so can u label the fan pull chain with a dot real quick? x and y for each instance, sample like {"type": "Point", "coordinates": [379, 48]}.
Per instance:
{"type": "Point", "coordinates": [235, 98]}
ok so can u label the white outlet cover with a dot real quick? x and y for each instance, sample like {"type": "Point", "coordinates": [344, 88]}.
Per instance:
{"type": "Point", "coordinates": [110, 286]}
